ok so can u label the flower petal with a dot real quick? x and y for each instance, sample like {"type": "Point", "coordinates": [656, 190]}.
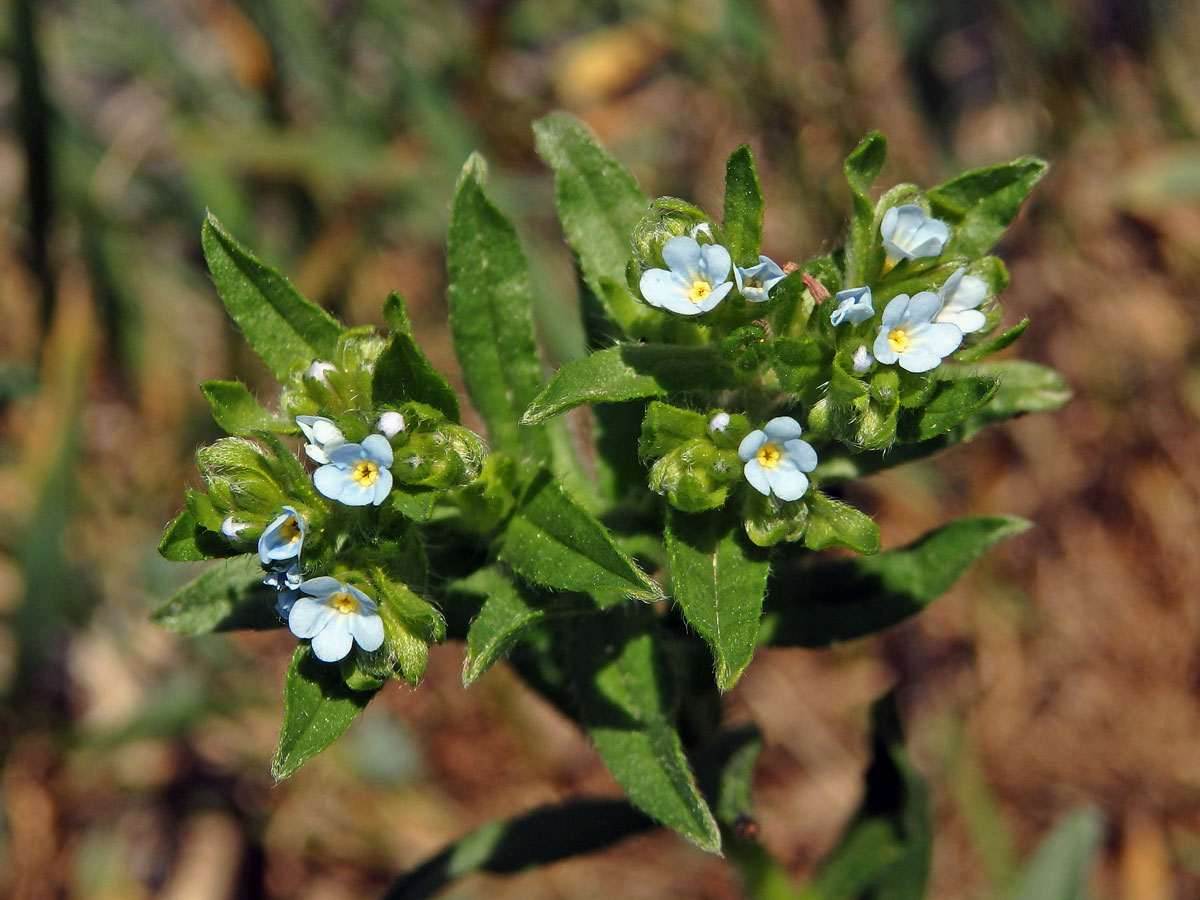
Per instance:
{"type": "Point", "coordinates": [715, 262]}
{"type": "Point", "coordinates": [682, 256]}
{"type": "Point", "coordinates": [801, 454]}
{"type": "Point", "coordinates": [658, 286]}
{"type": "Point", "coordinates": [750, 444]}
{"type": "Point", "coordinates": [894, 312]}
{"type": "Point", "coordinates": [367, 631]}
{"type": "Point", "coordinates": [940, 338]}
{"type": "Point", "coordinates": [922, 307]}
{"type": "Point", "coordinates": [782, 428]}
{"type": "Point", "coordinates": [308, 617]}
{"type": "Point", "coordinates": [757, 476]}
{"type": "Point", "coordinates": [378, 450]}
{"type": "Point", "coordinates": [333, 642]}
{"type": "Point", "coordinates": [382, 487]}
{"type": "Point", "coordinates": [323, 586]}
{"type": "Point", "coordinates": [966, 320]}
{"type": "Point", "coordinates": [787, 482]}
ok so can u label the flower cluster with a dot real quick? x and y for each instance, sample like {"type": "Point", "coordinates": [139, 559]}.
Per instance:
{"type": "Point", "coordinates": [697, 278]}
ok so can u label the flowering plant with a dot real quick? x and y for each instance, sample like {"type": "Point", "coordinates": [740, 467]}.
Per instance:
{"type": "Point", "coordinates": [731, 394]}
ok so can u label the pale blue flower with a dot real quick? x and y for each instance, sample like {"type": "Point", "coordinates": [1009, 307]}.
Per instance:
{"type": "Point", "coordinates": [284, 602]}
{"type": "Point", "coordinates": [960, 296]}
{"type": "Point", "coordinates": [335, 615]}
{"type": "Point", "coordinates": [390, 424]}
{"type": "Point", "coordinates": [755, 282]}
{"type": "Point", "coordinates": [357, 474]}
{"type": "Point", "coordinates": [284, 579]}
{"type": "Point", "coordinates": [862, 361]}
{"type": "Point", "coordinates": [696, 278]}
{"type": "Point", "coordinates": [909, 232]}
{"type": "Point", "coordinates": [776, 459]}
{"type": "Point", "coordinates": [283, 538]}
{"type": "Point", "coordinates": [853, 306]}
{"type": "Point", "coordinates": [322, 436]}
{"type": "Point", "coordinates": [909, 335]}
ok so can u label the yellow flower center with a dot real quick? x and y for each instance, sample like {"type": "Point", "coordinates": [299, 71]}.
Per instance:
{"type": "Point", "coordinates": [768, 455]}
{"type": "Point", "coordinates": [898, 340]}
{"type": "Point", "coordinates": [365, 473]}
{"type": "Point", "coordinates": [699, 290]}
{"type": "Point", "coordinates": [343, 602]}
{"type": "Point", "coordinates": [289, 531]}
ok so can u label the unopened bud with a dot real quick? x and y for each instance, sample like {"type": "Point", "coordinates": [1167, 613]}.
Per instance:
{"type": "Point", "coordinates": [862, 360]}
{"type": "Point", "coordinates": [319, 371]}
{"type": "Point", "coordinates": [390, 424]}
{"type": "Point", "coordinates": [718, 423]}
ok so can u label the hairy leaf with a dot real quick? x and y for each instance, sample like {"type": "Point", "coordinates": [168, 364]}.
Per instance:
{"type": "Point", "coordinates": [743, 208]}
{"type": "Point", "coordinates": [862, 166]}
{"type": "Point", "coordinates": [979, 205]}
{"type": "Point", "coordinates": [282, 327]}
{"type": "Point", "coordinates": [317, 708]}
{"type": "Point", "coordinates": [630, 372]}
{"type": "Point", "coordinates": [403, 371]}
{"type": "Point", "coordinates": [235, 409]}
{"type": "Point", "coordinates": [818, 605]}
{"type": "Point", "coordinates": [832, 523]}
{"type": "Point", "coordinates": [719, 579]}
{"type": "Point", "coordinates": [226, 596]}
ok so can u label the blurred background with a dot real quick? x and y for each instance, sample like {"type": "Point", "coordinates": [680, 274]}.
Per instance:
{"type": "Point", "coordinates": [1063, 671]}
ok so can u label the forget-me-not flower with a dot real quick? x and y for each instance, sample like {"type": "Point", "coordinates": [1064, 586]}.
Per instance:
{"type": "Point", "coordinates": [283, 538]}
{"type": "Point", "coordinates": [357, 474]}
{"type": "Point", "coordinates": [960, 296]}
{"type": "Point", "coordinates": [284, 579]}
{"type": "Point", "coordinates": [755, 282]}
{"type": "Point", "coordinates": [853, 306]}
{"type": "Point", "coordinates": [696, 278]}
{"type": "Point", "coordinates": [335, 615]}
{"type": "Point", "coordinates": [322, 436]}
{"type": "Point", "coordinates": [909, 335]}
{"type": "Point", "coordinates": [777, 460]}
{"type": "Point", "coordinates": [909, 232]}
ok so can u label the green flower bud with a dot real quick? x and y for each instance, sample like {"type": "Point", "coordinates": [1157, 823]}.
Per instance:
{"type": "Point", "coordinates": [768, 520]}
{"type": "Point", "coordinates": [696, 475]}
{"type": "Point", "coordinates": [667, 217]}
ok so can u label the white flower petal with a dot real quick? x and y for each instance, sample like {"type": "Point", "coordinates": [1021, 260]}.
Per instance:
{"type": "Point", "coordinates": [750, 444]}
{"type": "Point", "coordinates": [682, 256]}
{"type": "Point", "coordinates": [378, 449]}
{"type": "Point", "coordinates": [333, 642]}
{"type": "Point", "coordinates": [922, 308]}
{"type": "Point", "coordinates": [787, 483]}
{"type": "Point", "coordinates": [757, 477]}
{"type": "Point", "coordinates": [658, 286]}
{"type": "Point", "coordinates": [367, 631]}
{"type": "Point", "coordinates": [801, 454]}
{"type": "Point", "coordinates": [309, 616]}
{"type": "Point", "coordinates": [782, 428]}
{"type": "Point", "coordinates": [322, 586]}
{"type": "Point", "coordinates": [715, 262]}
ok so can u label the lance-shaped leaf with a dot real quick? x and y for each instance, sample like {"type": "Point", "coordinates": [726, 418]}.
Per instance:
{"type": "Point", "coordinates": [743, 208]}
{"type": "Point", "coordinates": [862, 166]}
{"type": "Point", "coordinates": [623, 693]}
{"type": "Point", "coordinates": [821, 604]}
{"type": "Point", "coordinates": [949, 403]}
{"type": "Point", "coordinates": [226, 596]}
{"type": "Point", "coordinates": [630, 372]}
{"type": "Point", "coordinates": [1060, 866]}
{"type": "Point", "coordinates": [719, 579]}
{"type": "Point", "coordinates": [317, 708]}
{"type": "Point", "coordinates": [884, 852]}
{"type": "Point", "coordinates": [979, 205]}
{"type": "Point", "coordinates": [506, 611]}
{"type": "Point", "coordinates": [186, 540]}
{"type": "Point", "coordinates": [235, 410]}
{"type": "Point", "coordinates": [993, 344]}
{"type": "Point", "coordinates": [599, 203]}
{"type": "Point", "coordinates": [281, 326]}
{"type": "Point", "coordinates": [553, 541]}
{"type": "Point", "coordinates": [491, 318]}
{"type": "Point", "coordinates": [404, 372]}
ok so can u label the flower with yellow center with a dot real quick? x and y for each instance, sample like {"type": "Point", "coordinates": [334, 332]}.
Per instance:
{"type": "Point", "coordinates": [283, 538]}
{"type": "Point", "coordinates": [776, 460]}
{"type": "Point", "coordinates": [357, 474]}
{"type": "Point", "coordinates": [755, 282]}
{"type": "Point", "coordinates": [335, 616]}
{"type": "Point", "coordinates": [696, 278]}
{"type": "Point", "coordinates": [909, 232]}
{"type": "Point", "coordinates": [908, 334]}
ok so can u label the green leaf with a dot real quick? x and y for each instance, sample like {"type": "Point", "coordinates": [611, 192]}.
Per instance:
{"type": "Point", "coordinates": [995, 344]}
{"type": "Point", "coordinates": [491, 319]}
{"type": "Point", "coordinates": [862, 166]}
{"type": "Point", "coordinates": [506, 611]}
{"type": "Point", "coordinates": [553, 541]}
{"type": "Point", "coordinates": [630, 372]}
{"type": "Point", "coordinates": [884, 853]}
{"type": "Point", "coordinates": [832, 523]}
{"type": "Point", "coordinates": [185, 540]}
{"type": "Point", "coordinates": [237, 412]}
{"type": "Point", "coordinates": [1059, 869]}
{"type": "Point", "coordinates": [317, 709]}
{"type": "Point", "coordinates": [979, 205]}
{"type": "Point", "coordinates": [818, 605]}
{"type": "Point", "coordinates": [950, 403]}
{"type": "Point", "coordinates": [1025, 387]}
{"type": "Point", "coordinates": [801, 366]}
{"type": "Point", "coordinates": [719, 579]}
{"type": "Point", "coordinates": [599, 203]}
{"type": "Point", "coordinates": [666, 427]}
{"type": "Point", "coordinates": [403, 372]}
{"type": "Point", "coordinates": [226, 596]}
{"type": "Point", "coordinates": [623, 692]}
{"type": "Point", "coordinates": [743, 208]}
{"type": "Point", "coordinates": [537, 838]}
{"type": "Point", "coordinates": [282, 327]}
